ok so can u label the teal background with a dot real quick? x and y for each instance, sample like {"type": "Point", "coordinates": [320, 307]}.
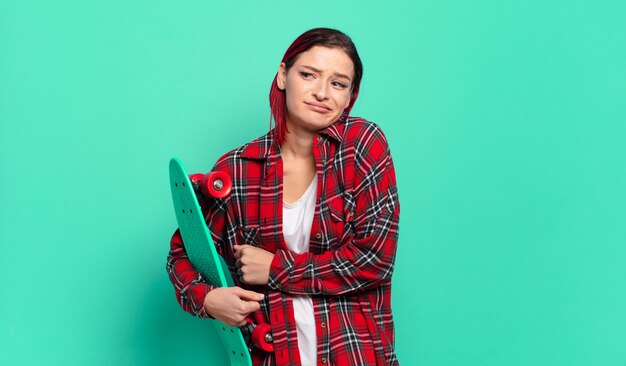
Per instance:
{"type": "Point", "coordinates": [506, 121]}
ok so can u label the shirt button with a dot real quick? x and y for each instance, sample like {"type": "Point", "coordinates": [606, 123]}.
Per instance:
{"type": "Point", "coordinates": [319, 138]}
{"type": "Point", "coordinates": [318, 236]}
{"type": "Point", "coordinates": [323, 161]}
{"type": "Point", "coordinates": [323, 325]}
{"type": "Point", "coordinates": [323, 359]}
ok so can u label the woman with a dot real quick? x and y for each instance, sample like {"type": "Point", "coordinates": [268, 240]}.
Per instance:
{"type": "Point", "coordinates": [311, 225]}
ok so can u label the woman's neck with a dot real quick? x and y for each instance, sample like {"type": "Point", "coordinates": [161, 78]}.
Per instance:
{"type": "Point", "coordinates": [297, 144]}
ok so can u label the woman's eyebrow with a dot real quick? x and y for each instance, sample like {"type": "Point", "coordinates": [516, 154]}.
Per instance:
{"type": "Point", "coordinates": [338, 74]}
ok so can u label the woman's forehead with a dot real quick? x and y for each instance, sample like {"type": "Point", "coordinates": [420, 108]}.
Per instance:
{"type": "Point", "coordinates": [327, 60]}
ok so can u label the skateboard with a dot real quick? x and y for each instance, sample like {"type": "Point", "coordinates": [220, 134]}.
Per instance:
{"type": "Point", "coordinates": [203, 255]}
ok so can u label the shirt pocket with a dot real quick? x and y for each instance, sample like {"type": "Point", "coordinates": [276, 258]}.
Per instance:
{"type": "Point", "coordinates": [342, 209]}
{"type": "Point", "coordinates": [248, 235]}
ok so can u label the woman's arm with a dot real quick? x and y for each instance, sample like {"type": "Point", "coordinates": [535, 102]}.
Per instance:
{"type": "Point", "coordinates": [368, 259]}
{"type": "Point", "coordinates": [189, 285]}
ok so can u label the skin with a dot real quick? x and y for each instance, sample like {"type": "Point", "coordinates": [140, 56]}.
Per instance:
{"type": "Point", "coordinates": [317, 88]}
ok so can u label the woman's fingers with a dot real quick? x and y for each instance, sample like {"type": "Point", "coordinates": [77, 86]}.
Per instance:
{"type": "Point", "coordinates": [248, 295]}
{"type": "Point", "coordinates": [253, 264]}
{"type": "Point", "coordinates": [231, 305]}
{"type": "Point", "coordinates": [250, 307]}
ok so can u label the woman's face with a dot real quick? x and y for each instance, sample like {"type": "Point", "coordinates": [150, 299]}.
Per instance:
{"type": "Point", "coordinates": [317, 87]}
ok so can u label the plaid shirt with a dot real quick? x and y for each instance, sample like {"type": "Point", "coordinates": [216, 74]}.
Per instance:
{"type": "Point", "coordinates": [348, 268]}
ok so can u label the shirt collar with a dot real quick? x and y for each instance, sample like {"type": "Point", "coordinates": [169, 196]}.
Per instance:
{"type": "Point", "coordinates": [334, 131]}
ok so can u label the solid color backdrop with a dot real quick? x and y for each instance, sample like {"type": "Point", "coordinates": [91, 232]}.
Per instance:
{"type": "Point", "coordinates": [506, 121]}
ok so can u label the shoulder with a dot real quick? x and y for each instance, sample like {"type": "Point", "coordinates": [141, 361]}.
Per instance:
{"type": "Point", "coordinates": [366, 137]}
{"type": "Point", "coordinates": [361, 124]}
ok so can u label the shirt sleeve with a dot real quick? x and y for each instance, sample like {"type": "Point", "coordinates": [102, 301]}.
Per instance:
{"type": "Point", "coordinates": [366, 260]}
{"type": "Point", "coordinates": [189, 285]}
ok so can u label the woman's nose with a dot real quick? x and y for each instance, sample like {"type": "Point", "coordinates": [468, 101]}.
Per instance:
{"type": "Point", "coordinates": [319, 92]}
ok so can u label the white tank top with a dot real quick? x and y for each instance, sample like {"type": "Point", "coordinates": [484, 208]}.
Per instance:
{"type": "Point", "coordinates": [297, 221]}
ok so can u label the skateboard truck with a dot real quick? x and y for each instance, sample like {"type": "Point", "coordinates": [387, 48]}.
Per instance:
{"type": "Point", "coordinates": [213, 184]}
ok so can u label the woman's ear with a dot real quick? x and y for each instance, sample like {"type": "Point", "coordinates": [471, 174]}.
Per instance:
{"type": "Point", "coordinates": [281, 76]}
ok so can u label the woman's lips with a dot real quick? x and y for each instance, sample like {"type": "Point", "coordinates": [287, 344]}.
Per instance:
{"type": "Point", "coordinates": [317, 107]}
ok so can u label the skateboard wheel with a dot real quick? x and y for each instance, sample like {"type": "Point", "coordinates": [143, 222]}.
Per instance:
{"type": "Point", "coordinates": [212, 184]}
{"type": "Point", "coordinates": [262, 337]}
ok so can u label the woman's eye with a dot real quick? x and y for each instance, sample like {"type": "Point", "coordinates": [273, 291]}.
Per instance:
{"type": "Point", "coordinates": [339, 85]}
{"type": "Point", "coordinates": [305, 74]}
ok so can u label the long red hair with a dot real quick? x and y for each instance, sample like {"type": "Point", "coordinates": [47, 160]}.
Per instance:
{"type": "Point", "coordinates": [326, 37]}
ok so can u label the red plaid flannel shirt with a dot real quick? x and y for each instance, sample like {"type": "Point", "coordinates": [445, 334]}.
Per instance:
{"type": "Point", "coordinates": [348, 268]}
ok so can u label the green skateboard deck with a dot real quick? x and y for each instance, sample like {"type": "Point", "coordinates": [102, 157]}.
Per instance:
{"type": "Point", "coordinates": [201, 251]}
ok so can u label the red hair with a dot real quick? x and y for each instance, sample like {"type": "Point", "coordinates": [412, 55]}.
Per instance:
{"type": "Point", "coordinates": [326, 37]}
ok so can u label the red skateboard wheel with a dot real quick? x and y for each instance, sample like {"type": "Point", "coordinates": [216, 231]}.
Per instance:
{"type": "Point", "coordinates": [213, 184]}
{"type": "Point", "coordinates": [262, 337]}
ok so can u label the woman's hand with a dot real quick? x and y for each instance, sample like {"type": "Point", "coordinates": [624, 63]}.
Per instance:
{"type": "Point", "coordinates": [231, 305]}
{"type": "Point", "coordinates": [253, 264]}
